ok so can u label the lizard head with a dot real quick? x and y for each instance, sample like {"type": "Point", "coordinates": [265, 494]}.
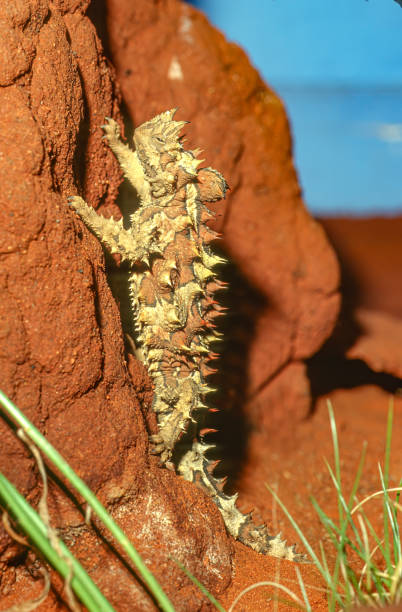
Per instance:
{"type": "Point", "coordinates": [156, 137]}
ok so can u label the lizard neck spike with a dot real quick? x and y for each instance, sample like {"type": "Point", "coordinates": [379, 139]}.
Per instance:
{"type": "Point", "coordinates": [171, 294]}
{"type": "Point", "coordinates": [174, 128]}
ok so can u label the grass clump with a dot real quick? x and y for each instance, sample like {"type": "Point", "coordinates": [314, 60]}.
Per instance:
{"type": "Point", "coordinates": [53, 550]}
{"type": "Point", "coordinates": [368, 565]}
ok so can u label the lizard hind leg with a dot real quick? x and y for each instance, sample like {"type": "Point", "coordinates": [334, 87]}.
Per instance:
{"type": "Point", "coordinates": [174, 405]}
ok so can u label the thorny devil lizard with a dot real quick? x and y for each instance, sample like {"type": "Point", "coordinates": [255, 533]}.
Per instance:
{"type": "Point", "coordinates": [172, 287]}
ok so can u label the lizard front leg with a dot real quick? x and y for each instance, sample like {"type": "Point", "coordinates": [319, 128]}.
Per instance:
{"type": "Point", "coordinates": [132, 247]}
{"type": "Point", "coordinates": [127, 159]}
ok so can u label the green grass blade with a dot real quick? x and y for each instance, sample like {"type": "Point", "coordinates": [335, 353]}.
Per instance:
{"type": "Point", "coordinates": [332, 587]}
{"type": "Point", "coordinates": [303, 590]}
{"type": "Point", "coordinates": [332, 531]}
{"type": "Point", "coordinates": [373, 532]}
{"type": "Point", "coordinates": [399, 492]}
{"type": "Point", "coordinates": [203, 589]}
{"type": "Point", "coordinates": [358, 476]}
{"type": "Point", "coordinates": [374, 574]}
{"type": "Point", "coordinates": [347, 517]}
{"type": "Point", "coordinates": [345, 586]}
{"type": "Point", "coordinates": [335, 533]}
{"type": "Point", "coordinates": [386, 481]}
{"type": "Point", "coordinates": [341, 560]}
{"type": "Point", "coordinates": [36, 530]}
{"type": "Point", "coordinates": [337, 460]}
{"type": "Point", "coordinates": [391, 510]}
{"type": "Point", "coordinates": [392, 522]}
{"type": "Point", "coordinates": [54, 456]}
{"type": "Point", "coordinates": [321, 568]}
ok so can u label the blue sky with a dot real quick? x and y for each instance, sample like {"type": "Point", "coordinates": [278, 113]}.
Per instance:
{"type": "Point", "coordinates": [338, 67]}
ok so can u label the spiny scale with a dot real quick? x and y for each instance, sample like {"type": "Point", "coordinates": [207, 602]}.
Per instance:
{"type": "Point", "coordinates": [172, 284]}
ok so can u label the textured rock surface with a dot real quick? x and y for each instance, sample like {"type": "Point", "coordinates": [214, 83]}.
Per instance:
{"type": "Point", "coordinates": [61, 345]}
{"type": "Point", "coordinates": [369, 329]}
{"type": "Point", "coordinates": [371, 258]}
{"type": "Point", "coordinates": [380, 342]}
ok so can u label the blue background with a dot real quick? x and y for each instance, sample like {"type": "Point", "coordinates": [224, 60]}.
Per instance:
{"type": "Point", "coordinates": [338, 67]}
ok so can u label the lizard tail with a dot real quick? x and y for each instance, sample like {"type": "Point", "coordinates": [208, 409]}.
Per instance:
{"type": "Point", "coordinates": [195, 467]}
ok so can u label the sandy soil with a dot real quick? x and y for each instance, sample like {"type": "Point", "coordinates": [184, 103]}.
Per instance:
{"type": "Point", "coordinates": [294, 463]}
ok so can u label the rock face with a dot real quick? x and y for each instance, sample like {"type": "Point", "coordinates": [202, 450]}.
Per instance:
{"type": "Point", "coordinates": [61, 344]}
{"type": "Point", "coordinates": [380, 342]}
{"type": "Point", "coordinates": [371, 259]}
{"type": "Point", "coordinates": [369, 329]}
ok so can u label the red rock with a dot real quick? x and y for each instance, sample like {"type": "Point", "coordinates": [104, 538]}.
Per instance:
{"type": "Point", "coordinates": [61, 344]}
{"type": "Point", "coordinates": [371, 258]}
{"type": "Point", "coordinates": [379, 343]}
{"type": "Point", "coordinates": [287, 392]}
{"type": "Point", "coordinates": [370, 325]}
